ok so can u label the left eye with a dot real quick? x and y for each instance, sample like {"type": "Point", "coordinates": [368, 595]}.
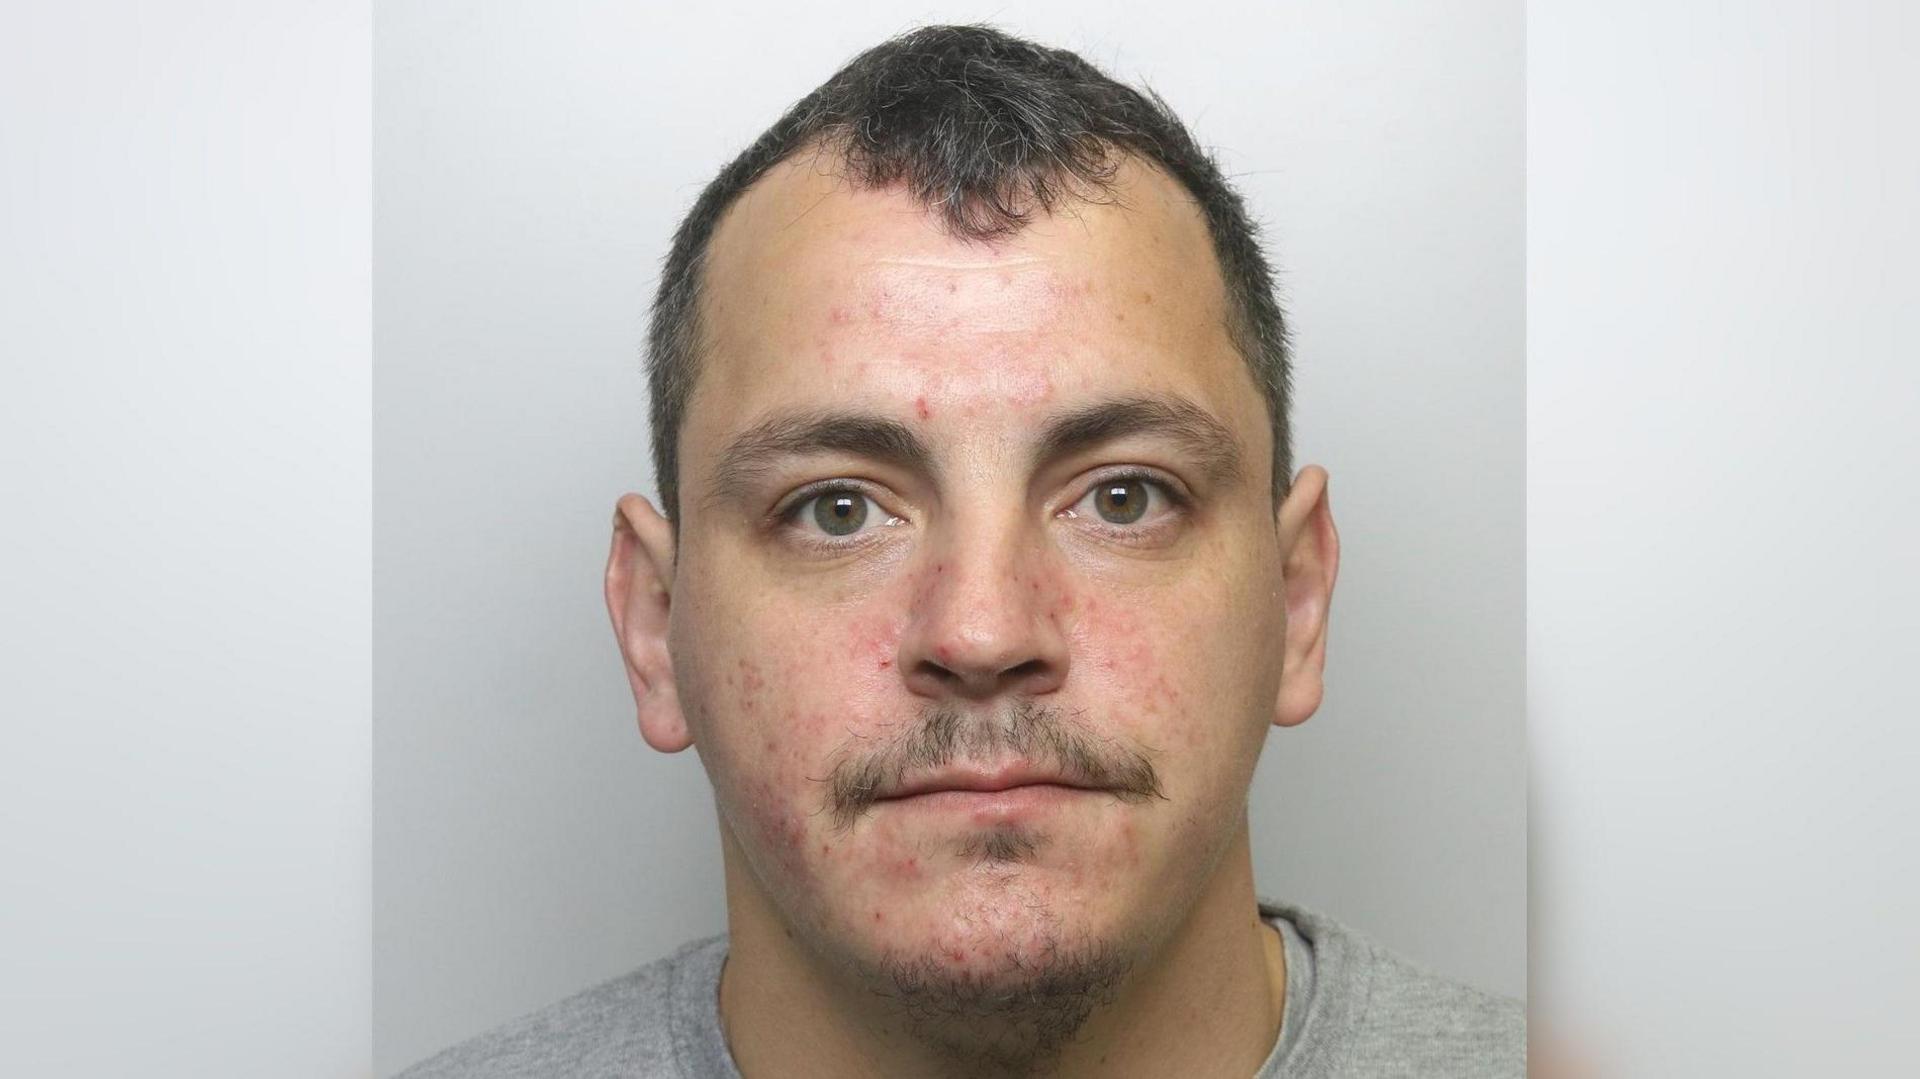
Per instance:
{"type": "Point", "coordinates": [1123, 500]}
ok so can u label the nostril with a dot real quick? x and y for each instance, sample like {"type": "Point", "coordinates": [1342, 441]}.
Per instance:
{"type": "Point", "coordinates": [935, 673]}
{"type": "Point", "coordinates": [954, 678]}
{"type": "Point", "coordinates": [1024, 671]}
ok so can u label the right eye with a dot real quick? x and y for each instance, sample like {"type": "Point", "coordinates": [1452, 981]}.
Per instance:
{"type": "Point", "coordinates": [837, 512]}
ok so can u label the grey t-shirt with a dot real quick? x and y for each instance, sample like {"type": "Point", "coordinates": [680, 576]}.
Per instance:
{"type": "Point", "coordinates": [1352, 1009]}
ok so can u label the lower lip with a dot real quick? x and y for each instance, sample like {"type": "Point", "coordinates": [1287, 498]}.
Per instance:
{"type": "Point", "coordinates": [993, 806]}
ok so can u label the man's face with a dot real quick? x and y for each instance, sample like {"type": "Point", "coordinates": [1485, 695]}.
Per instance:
{"type": "Point", "coordinates": [955, 519]}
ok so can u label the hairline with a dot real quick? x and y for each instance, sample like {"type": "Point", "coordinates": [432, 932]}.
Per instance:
{"type": "Point", "coordinates": [831, 143]}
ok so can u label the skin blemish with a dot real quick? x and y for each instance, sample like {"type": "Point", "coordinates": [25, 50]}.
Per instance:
{"type": "Point", "coordinates": [839, 316]}
{"type": "Point", "coordinates": [920, 408]}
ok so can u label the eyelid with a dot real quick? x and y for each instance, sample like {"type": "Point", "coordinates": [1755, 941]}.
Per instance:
{"type": "Point", "coordinates": [791, 503]}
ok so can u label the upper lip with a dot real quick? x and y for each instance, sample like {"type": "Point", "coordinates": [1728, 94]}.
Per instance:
{"type": "Point", "coordinates": [985, 779]}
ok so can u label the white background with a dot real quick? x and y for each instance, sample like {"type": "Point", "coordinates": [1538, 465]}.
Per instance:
{"type": "Point", "coordinates": [1723, 609]}
{"type": "Point", "coordinates": [1722, 220]}
{"type": "Point", "coordinates": [530, 164]}
{"type": "Point", "coordinates": [184, 565]}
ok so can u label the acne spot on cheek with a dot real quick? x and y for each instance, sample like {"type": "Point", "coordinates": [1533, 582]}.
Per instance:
{"type": "Point", "coordinates": [839, 316]}
{"type": "Point", "coordinates": [874, 642]}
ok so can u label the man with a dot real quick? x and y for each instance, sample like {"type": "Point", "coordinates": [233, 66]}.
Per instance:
{"type": "Point", "coordinates": [980, 573]}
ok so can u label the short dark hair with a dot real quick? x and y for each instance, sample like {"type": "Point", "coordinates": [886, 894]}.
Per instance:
{"type": "Point", "coordinates": [981, 127]}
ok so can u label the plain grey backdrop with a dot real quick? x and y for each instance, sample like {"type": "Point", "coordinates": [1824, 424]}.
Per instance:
{"type": "Point", "coordinates": [530, 162]}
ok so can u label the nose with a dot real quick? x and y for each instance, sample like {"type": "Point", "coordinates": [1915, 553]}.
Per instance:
{"type": "Point", "coordinates": [984, 621]}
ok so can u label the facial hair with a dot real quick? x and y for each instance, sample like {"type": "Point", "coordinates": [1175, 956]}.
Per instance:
{"type": "Point", "coordinates": [1015, 1020]}
{"type": "Point", "coordinates": [944, 734]}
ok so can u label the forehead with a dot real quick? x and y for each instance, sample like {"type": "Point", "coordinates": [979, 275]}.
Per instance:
{"type": "Point", "coordinates": [817, 292]}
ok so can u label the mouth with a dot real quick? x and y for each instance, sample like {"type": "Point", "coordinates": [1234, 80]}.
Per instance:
{"type": "Point", "coordinates": [998, 793]}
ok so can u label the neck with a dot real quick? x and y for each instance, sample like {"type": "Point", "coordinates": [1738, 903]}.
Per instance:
{"type": "Point", "coordinates": [1207, 1002]}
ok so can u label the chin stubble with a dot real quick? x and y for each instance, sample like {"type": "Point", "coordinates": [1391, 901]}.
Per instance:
{"type": "Point", "coordinates": [1007, 1023]}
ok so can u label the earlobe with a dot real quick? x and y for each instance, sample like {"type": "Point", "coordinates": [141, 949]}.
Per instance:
{"type": "Point", "coordinates": [1310, 554]}
{"type": "Point", "coordinates": [639, 590]}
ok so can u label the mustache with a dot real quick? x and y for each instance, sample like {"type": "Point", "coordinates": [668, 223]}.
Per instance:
{"type": "Point", "coordinates": [945, 734]}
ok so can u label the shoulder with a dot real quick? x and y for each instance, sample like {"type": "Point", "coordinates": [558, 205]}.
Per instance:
{"type": "Point", "coordinates": [1399, 1019]}
{"type": "Point", "coordinates": [624, 1027]}
{"type": "Point", "coordinates": [1418, 1023]}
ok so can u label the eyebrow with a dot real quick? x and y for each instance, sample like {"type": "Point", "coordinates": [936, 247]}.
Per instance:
{"type": "Point", "coordinates": [798, 434]}
{"type": "Point", "coordinates": [1195, 430]}
{"type": "Point", "coordinates": [876, 437]}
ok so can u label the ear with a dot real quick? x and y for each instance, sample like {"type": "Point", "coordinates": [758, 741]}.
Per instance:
{"type": "Point", "coordinates": [1310, 553]}
{"type": "Point", "coordinates": [639, 593]}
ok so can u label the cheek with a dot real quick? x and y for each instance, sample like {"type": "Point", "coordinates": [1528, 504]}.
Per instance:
{"type": "Point", "coordinates": [778, 826]}
{"type": "Point", "coordinates": [1139, 664]}
{"type": "Point", "coordinates": [770, 722]}
{"type": "Point", "coordinates": [1190, 671]}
